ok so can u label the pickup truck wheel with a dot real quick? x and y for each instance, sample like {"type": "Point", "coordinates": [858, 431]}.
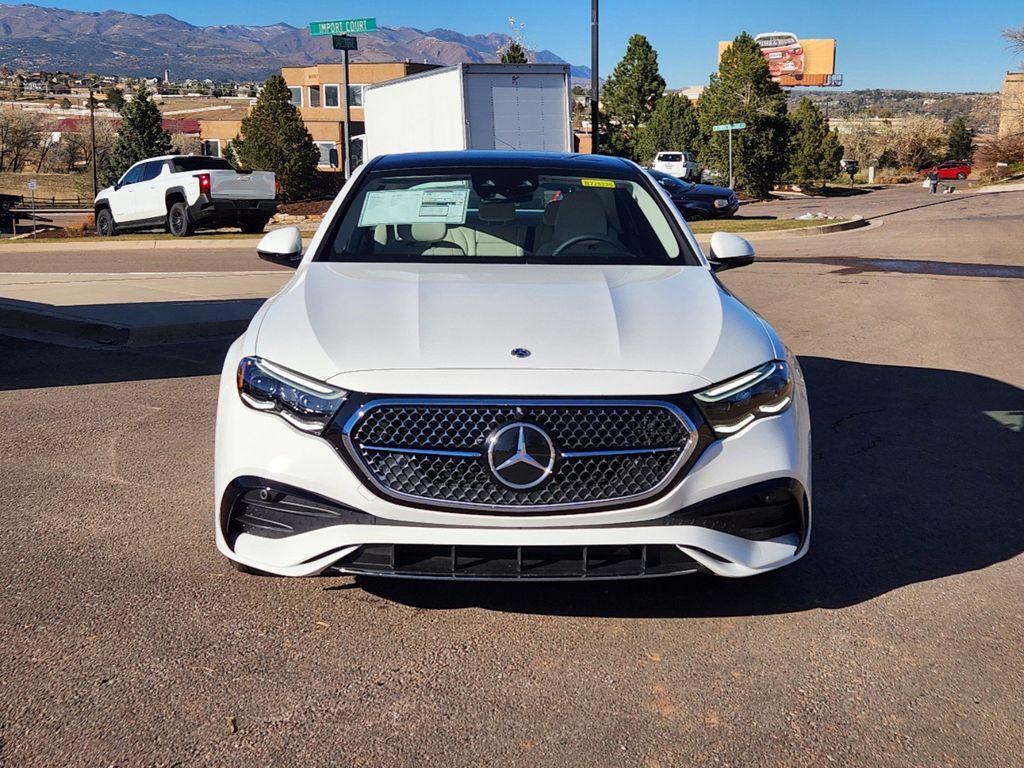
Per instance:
{"type": "Point", "coordinates": [179, 223]}
{"type": "Point", "coordinates": [105, 226]}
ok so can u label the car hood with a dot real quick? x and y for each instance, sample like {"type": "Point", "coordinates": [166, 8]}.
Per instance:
{"type": "Point", "coordinates": [707, 191]}
{"type": "Point", "coordinates": [442, 328]}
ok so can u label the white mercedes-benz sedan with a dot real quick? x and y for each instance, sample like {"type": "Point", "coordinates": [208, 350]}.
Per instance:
{"type": "Point", "coordinates": [505, 365]}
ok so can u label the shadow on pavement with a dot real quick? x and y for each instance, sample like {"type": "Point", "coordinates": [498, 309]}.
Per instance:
{"type": "Point", "coordinates": [33, 364]}
{"type": "Point", "coordinates": [855, 265]}
{"type": "Point", "coordinates": [917, 476]}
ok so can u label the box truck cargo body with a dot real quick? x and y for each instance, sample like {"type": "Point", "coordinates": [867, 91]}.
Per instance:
{"type": "Point", "coordinates": [471, 106]}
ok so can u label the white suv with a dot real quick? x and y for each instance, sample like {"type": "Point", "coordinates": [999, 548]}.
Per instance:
{"type": "Point", "coordinates": [682, 165]}
{"type": "Point", "coordinates": [509, 365]}
{"type": "Point", "coordinates": [183, 192]}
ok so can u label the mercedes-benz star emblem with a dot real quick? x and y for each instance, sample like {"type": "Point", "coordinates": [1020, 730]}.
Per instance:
{"type": "Point", "coordinates": [520, 455]}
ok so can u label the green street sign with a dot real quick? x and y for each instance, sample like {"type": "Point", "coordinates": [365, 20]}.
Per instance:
{"type": "Point", "coordinates": [729, 127]}
{"type": "Point", "coordinates": [342, 27]}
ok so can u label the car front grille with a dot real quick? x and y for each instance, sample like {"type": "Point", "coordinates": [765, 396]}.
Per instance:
{"type": "Point", "coordinates": [436, 451]}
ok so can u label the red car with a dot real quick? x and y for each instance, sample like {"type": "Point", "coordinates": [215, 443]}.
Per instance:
{"type": "Point", "coordinates": [951, 169]}
{"type": "Point", "coordinates": [783, 52]}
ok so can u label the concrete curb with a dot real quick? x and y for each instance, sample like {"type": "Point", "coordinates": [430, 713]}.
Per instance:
{"type": "Point", "coordinates": [190, 244]}
{"type": "Point", "coordinates": [857, 222]}
{"type": "Point", "coordinates": [992, 189]}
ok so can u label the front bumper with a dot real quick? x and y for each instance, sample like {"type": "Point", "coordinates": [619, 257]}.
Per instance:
{"type": "Point", "coordinates": [710, 518]}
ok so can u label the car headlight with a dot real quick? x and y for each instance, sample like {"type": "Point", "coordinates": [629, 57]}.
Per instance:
{"type": "Point", "coordinates": [721, 203]}
{"type": "Point", "coordinates": [734, 404]}
{"type": "Point", "coordinates": [304, 403]}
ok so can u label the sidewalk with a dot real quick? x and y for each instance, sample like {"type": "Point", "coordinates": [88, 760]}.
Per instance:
{"type": "Point", "coordinates": [134, 309]}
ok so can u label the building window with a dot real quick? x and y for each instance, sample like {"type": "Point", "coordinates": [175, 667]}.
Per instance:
{"type": "Point", "coordinates": [355, 95]}
{"type": "Point", "coordinates": [211, 147]}
{"type": "Point", "coordinates": [296, 95]}
{"type": "Point", "coordinates": [314, 95]}
{"type": "Point", "coordinates": [331, 96]}
{"type": "Point", "coordinates": [327, 149]}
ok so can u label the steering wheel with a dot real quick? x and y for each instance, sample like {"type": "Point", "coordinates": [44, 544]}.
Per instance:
{"type": "Point", "coordinates": [582, 239]}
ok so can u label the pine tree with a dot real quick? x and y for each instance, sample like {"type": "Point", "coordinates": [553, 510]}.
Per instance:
{"type": "Point", "coordinates": [141, 135]}
{"type": "Point", "coordinates": [673, 126]}
{"type": "Point", "coordinates": [514, 54]}
{"type": "Point", "coordinates": [742, 91]}
{"type": "Point", "coordinates": [631, 94]}
{"type": "Point", "coordinates": [274, 138]}
{"type": "Point", "coordinates": [814, 150]}
{"type": "Point", "coordinates": [115, 99]}
{"type": "Point", "coordinates": [961, 140]}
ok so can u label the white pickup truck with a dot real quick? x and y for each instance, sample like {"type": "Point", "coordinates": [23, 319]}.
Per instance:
{"type": "Point", "coordinates": [183, 192]}
{"type": "Point", "coordinates": [682, 165]}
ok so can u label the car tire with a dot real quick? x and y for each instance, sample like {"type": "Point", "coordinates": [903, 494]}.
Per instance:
{"type": "Point", "coordinates": [179, 223]}
{"type": "Point", "coordinates": [105, 225]}
{"type": "Point", "coordinates": [961, 176]}
{"type": "Point", "coordinates": [254, 227]}
{"type": "Point", "coordinates": [695, 216]}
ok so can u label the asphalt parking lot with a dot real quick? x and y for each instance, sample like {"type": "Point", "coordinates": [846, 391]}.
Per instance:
{"type": "Point", "coordinates": [897, 641]}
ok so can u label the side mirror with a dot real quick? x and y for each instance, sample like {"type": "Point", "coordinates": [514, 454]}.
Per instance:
{"type": "Point", "coordinates": [281, 246]}
{"type": "Point", "coordinates": [729, 251]}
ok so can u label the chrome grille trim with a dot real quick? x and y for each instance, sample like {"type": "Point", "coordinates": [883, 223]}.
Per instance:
{"type": "Point", "coordinates": [355, 451]}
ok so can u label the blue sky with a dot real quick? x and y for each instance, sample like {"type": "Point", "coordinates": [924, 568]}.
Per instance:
{"type": "Point", "coordinates": [914, 44]}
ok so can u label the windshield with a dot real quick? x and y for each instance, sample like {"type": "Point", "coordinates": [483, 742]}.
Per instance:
{"type": "Point", "coordinates": [503, 214]}
{"type": "Point", "coordinates": [670, 157]}
{"type": "Point", "coordinates": [672, 184]}
{"type": "Point", "coordinates": [199, 163]}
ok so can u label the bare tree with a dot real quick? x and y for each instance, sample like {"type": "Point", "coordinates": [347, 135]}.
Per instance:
{"type": "Point", "coordinates": [21, 135]}
{"type": "Point", "coordinates": [1015, 37]}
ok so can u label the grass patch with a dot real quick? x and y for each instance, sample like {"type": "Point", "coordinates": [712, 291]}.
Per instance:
{"type": "Point", "coordinates": [739, 224]}
{"type": "Point", "coordinates": [60, 186]}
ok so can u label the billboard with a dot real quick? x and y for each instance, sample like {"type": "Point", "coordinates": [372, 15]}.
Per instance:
{"type": "Point", "coordinates": [792, 61]}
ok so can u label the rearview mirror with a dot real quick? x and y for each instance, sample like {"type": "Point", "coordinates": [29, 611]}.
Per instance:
{"type": "Point", "coordinates": [729, 251]}
{"type": "Point", "coordinates": [281, 246]}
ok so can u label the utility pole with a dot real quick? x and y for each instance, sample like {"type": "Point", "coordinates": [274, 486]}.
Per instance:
{"type": "Point", "coordinates": [92, 132]}
{"type": "Point", "coordinates": [594, 80]}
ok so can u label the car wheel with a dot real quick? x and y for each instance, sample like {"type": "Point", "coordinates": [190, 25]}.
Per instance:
{"type": "Point", "coordinates": [695, 216]}
{"type": "Point", "coordinates": [254, 227]}
{"type": "Point", "coordinates": [179, 223]}
{"type": "Point", "coordinates": [961, 175]}
{"type": "Point", "coordinates": [105, 226]}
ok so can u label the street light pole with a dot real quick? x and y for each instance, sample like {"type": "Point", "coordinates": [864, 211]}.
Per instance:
{"type": "Point", "coordinates": [92, 132]}
{"type": "Point", "coordinates": [594, 80]}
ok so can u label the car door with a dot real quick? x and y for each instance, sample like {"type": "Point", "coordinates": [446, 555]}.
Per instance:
{"type": "Point", "coordinates": [150, 197]}
{"type": "Point", "coordinates": [123, 205]}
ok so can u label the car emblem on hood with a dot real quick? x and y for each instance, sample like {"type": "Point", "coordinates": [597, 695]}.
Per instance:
{"type": "Point", "coordinates": [520, 455]}
{"type": "Point", "coordinates": [520, 352]}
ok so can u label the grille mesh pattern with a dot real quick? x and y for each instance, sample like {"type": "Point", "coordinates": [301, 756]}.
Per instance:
{"type": "Point", "coordinates": [458, 481]}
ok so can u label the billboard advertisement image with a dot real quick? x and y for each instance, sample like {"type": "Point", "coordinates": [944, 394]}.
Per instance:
{"type": "Point", "coordinates": [794, 61]}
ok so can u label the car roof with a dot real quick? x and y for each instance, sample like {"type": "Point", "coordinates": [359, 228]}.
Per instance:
{"type": "Point", "coordinates": [541, 161]}
{"type": "Point", "coordinates": [774, 34]}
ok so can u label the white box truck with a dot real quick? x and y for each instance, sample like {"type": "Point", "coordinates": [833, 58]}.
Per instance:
{"type": "Point", "coordinates": [470, 106]}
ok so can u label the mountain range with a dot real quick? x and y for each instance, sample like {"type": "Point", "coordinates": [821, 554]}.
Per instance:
{"type": "Point", "coordinates": [117, 43]}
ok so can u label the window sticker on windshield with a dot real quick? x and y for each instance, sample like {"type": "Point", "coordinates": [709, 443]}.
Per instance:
{"type": "Point", "coordinates": [606, 183]}
{"type": "Point", "coordinates": [414, 206]}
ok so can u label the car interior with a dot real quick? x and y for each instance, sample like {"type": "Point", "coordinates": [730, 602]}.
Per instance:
{"type": "Point", "coordinates": [545, 217]}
